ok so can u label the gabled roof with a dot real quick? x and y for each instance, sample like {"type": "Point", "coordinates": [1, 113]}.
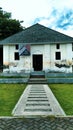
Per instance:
{"type": "Point", "coordinates": [37, 34]}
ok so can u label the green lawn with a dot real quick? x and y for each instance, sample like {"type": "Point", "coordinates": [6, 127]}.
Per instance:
{"type": "Point", "coordinates": [64, 94]}
{"type": "Point", "coordinates": [9, 95]}
{"type": "Point", "coordinates": [25, 76]}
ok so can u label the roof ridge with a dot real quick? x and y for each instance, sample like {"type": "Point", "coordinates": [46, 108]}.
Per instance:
{"type": "Point", "coordinates": [37, 33]}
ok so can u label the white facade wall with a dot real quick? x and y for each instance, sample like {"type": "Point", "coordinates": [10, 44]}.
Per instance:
{"type": "Point", "coordinates": [8, 53]}
{"type": "Point", "coordinates": [25, 62]}
{"type": "Point", "coordinates": [5, 55]}
{"type": "Point", "coordinates": [9, 57]}
{"type": "Point", "coordinates": [48, 52]}
{"type": "Point", "coordinates": [47, 57]}
{"type": "Point", "coordinates": [52, 55]}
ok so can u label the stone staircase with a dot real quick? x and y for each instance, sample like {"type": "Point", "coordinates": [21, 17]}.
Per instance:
{"type": "Point", "coordinates": [37, 77]}
{"type": "Point", "coordinates": [36, 101]}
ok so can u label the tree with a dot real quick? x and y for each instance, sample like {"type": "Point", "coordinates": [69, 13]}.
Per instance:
{"type": "Point", "coordinates": [8, 26]}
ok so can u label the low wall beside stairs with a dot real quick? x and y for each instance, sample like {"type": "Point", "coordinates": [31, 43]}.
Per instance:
{"type": "Point", "coordinates": [14, 77]}
{"type": "Point", "coordinates": [60, 80]}
{"type": "Point", "coordinates": [15, 74]}
{"type": "Point", "coordinates": [14, 80]}
{"type": "Point", "coordinates": [59, 77]}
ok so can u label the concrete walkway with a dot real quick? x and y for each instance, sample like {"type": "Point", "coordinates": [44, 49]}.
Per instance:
{"type": "Point", "coordinates": [37, 101]}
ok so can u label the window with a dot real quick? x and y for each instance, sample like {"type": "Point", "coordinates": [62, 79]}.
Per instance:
{"type": "Point", "coordinates": [72, 68]}
{"type": "Point", "coordinates": [58, 55]}
{"type": "Point", "coordinates": [16, 56]}
{"type": "Point", "coordinates": [57, 46]}
{"type": "Point", "coordinates": [16, 47]}
{"type": "Point", "coordinates": [72, 46]}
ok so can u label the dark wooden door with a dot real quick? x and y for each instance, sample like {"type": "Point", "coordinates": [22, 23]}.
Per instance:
{"type": "Point", "coordinates": [38, 62]}
{"type": "Point", "coordinates": [1, 58]}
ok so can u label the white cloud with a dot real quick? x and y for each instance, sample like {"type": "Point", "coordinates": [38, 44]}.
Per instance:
{"type": "Point", "coordinates": [46, 12]}
{"type": "Point", "coordinates": [26, 10]}
{"type": "Point", "coordinates": [61, 4]}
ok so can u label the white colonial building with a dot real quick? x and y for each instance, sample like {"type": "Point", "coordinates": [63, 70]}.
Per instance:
{"type": "Point", "coordinates": [37, 48]}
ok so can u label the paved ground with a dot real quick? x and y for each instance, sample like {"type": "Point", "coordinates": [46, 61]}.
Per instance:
{"type": "Point", "coordinates": [37, 101]}
{"type": "Point", "coordinates": [57, 123]}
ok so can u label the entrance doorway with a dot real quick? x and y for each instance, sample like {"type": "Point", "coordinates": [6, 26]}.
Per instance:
{"type": "Point", "coordinates": [1, 58]}
{"type": "Point", "coordinates": [38, 62]}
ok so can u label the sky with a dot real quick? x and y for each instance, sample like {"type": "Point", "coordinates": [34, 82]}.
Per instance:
{"type": "Point", "coordinates": [55, 14]}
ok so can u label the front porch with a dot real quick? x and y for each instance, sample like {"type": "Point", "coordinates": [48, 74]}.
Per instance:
{"type": "Point", "coordinates": [36, 77]}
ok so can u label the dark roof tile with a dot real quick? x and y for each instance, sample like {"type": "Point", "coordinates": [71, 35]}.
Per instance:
{"type": "Point", "coordinates": [37, 33]}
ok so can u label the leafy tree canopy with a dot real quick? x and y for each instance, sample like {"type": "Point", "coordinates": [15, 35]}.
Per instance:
{"type": "Point", "coordinates": [8, 26]}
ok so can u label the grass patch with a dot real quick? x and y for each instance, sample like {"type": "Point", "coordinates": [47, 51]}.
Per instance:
{"type": "Point", "coordinates": [64, 94]}
{"type": "Point", "coordinates": [13, 77]}
{"type": "Point", "coordinates": [9, 95]}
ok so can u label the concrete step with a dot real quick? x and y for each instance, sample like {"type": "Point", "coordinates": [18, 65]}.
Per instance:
{"type": "Point", "coordinates": [37, 96]}
{"type": "Point", "coordinates": [37, 103]}
{"type": "Point", "coordinates": [37, 107]}
{"type": "Point", "coordinates": [37, 74]}
{"type": "Point", "coordinates": [37, 80]}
